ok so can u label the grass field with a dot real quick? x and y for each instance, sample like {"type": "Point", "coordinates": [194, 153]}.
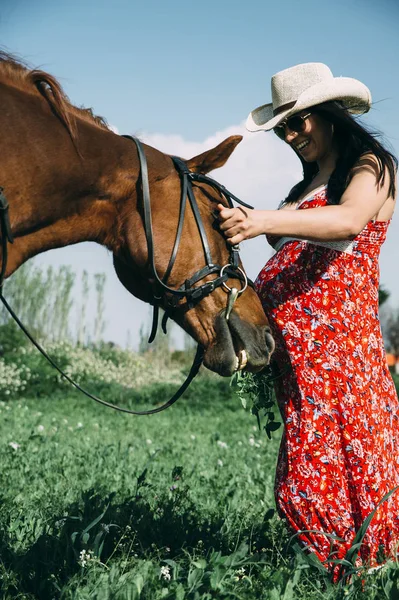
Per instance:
{"type": "Point", "coordinates": [99, 505]}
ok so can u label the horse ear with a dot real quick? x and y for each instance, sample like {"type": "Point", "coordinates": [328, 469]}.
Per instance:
{"type": "Point", "coordinates": [215, 158]}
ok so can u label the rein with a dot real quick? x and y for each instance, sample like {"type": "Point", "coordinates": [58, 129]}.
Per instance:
{"type": "Point", "coordinates": [186, 291]}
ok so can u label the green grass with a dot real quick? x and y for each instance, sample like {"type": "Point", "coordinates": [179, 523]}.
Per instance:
{"type": "Point", "coordinates": [188, 491]}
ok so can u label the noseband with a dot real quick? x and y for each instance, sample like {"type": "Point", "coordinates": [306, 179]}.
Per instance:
{"type": "Point", "coordinates": [163, 294]}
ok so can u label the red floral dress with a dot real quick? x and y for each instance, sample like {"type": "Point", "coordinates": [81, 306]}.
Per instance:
{"type": "Point", "coordinates": [340, 449]}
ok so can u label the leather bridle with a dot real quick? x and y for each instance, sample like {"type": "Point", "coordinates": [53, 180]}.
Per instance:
{"type": "Point", "coordinates": [162, 293]}
{"type": "Point", "coordinates": [189, 291]}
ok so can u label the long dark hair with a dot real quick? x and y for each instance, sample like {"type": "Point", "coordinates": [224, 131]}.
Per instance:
{"type": "Point", "coordinates": [353, 140]}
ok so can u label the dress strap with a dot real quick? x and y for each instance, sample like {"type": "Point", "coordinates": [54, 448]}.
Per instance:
{"type": "Point", "coordinates": [302, 200]}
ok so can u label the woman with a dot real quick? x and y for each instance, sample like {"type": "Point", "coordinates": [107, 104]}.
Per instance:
{"type": "Point", "coordinates": [339, 454]}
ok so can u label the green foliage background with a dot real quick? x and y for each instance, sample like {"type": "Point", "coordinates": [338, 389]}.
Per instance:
{"type": "Point", "coordinates": [189, 490]}
{"type": "Point", "coordinates": [101, 505]}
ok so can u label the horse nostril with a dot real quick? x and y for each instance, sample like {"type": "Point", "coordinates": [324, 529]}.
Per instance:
{"type": "Point", "coordinates": [270, 343]}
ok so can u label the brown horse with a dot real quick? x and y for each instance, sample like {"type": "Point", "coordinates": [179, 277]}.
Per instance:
{"type": "Point", "coordinates": [69, 179]}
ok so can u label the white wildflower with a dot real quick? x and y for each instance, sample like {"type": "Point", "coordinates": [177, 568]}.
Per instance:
{"type": "Point", "coordinates": [40, 428]}
{"type": "Point", "coordinates": [85, 557]}
{"type": "Point", "coordinates": [220, 463]}
{"type": "Point", "coordinates": [79, 425]}
{"type": "Point", "coordinates": [192, 437]}
{"type": "Point", "coordinates": [148, 441]}
{"type": "Point", "coordinates": [165, 573]}
{"type": "Point", "coordinates": [239, 574]}
{"type": "Point", "coordinates": [222, 444]}
{"type": "Point", "coordinates": [251, 441]}
{"type": "Point", "coordinates": [14, 445]}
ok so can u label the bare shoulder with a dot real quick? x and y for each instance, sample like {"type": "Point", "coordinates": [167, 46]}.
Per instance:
{"type": "Point", "coordinates": [367, 189]}
{"type": "Point", "coordinates": [368, 169]}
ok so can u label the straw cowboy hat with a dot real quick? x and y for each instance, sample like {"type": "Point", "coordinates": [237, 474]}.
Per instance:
{"type": "Point", "coordinates": [306, 85]}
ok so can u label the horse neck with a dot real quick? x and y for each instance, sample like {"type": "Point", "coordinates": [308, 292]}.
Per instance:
{"type": "Point", "coordinates": [58, 196]}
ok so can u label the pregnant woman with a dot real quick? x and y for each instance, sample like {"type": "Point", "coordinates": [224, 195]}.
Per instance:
{"type": "Point", "coordinates": [339, 455]}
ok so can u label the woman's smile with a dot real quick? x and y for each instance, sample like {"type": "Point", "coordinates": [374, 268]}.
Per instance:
{"type": "Point", "coordinates": [306, 148]}
{"type": "Point", "coordinates": [302, 145]}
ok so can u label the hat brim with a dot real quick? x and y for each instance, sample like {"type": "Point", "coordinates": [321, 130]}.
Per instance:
{"type": "Point", "coordinates": [353, 94]}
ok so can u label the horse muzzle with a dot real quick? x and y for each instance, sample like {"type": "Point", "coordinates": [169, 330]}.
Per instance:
{"type": "Point", "coordinates": [238, 345]}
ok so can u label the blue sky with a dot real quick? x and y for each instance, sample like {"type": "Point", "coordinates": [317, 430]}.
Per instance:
{"type": "Point", "coordinates": [185, 74]}
{"type": "Point", "coordinates": [192, 67]}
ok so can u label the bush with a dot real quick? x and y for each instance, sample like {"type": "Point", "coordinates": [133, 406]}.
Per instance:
{"type": "Point", "coordinates": [25, 369]}
{"type": "Point", "coordinates": [11, 338]}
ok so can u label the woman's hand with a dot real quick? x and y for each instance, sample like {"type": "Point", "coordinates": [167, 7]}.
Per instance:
{"type": "Point", "coordinates": [240, 224]}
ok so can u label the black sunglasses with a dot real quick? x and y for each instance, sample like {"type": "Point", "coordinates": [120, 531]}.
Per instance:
{"type": "Point", "coordinates": [295, 123]}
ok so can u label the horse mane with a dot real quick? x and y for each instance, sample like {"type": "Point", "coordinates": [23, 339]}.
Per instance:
{"type": "Point", "coordinates": [16, 72]}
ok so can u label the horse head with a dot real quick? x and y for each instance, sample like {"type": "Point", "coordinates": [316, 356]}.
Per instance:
{"type": "Point", "coordinates": [81, 182]}
{"type": "Point", "coordinates": [244, 339]}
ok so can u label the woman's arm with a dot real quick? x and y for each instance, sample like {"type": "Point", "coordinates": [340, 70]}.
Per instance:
{"type": "Point", "coordinates": [361, 201]}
